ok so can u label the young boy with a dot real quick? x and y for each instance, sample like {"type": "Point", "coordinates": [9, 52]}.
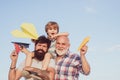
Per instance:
{"type": "Point", "coordinates": [52, 30]}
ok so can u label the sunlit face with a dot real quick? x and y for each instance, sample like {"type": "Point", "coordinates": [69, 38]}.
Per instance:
{"type": "Point", "coordinates": [52, 30]}
{"type": "Point", "coordinates": [42, 46]}
{"type": "Point", "coordinates": [62, 45]}
{"type": "Point", "coordinates": [40, 50]}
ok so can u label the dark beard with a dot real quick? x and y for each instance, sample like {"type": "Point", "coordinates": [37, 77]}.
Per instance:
{"type": "Point", "coordinates": [39, 55]}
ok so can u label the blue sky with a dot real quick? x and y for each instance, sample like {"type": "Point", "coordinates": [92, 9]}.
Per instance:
{"type": "Point", "coordinates": [98, 19]}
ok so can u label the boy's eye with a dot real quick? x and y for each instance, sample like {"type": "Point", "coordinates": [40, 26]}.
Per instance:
{"type": "Point", "coordinates": [55, 28]}
{"type": "Point", "coordinates": [52, 28]}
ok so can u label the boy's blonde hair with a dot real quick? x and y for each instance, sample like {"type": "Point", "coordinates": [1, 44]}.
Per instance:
{"type": "Point", "coordinates": [51, 23]}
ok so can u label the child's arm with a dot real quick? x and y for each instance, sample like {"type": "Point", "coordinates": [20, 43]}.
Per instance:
{"type": "Point", "coordinates": [28, 60]}
{"type": "Point", "coordinates": [62, 34]}
{"type": "Point", "coordinates": [59, 34]}
{"type": "Point", "coordinates": [29, 56]}
{"type": "Point", "coordinates": [46, 61]}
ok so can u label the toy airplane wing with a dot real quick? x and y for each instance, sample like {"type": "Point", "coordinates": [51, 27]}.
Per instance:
{"type": "Point", "coordinates": [17, 46]}
{"type": "Point", "coordinates": [20, 34]}
{"type": "Point", "coordinates": [84, 42]}
{"type": "Point", "coordinates": [30, 30]}
{"type": "Point", "coordinates": [26, 45]}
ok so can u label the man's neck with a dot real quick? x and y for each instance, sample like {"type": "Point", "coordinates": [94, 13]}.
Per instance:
{"type": "Point", "coordinates": [59, 58]}
{"type": "Point", "coordinates": [37, 59]}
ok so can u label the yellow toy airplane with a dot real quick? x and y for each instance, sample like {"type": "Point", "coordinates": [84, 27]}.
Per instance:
{"type": "Point", "coordinates": [84, 42]}
{"type": "Point", "coordinates": [28, 31]}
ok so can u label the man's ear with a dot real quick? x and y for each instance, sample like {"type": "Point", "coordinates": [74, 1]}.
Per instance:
{"type": "Point", "coordinates": [69, 45]}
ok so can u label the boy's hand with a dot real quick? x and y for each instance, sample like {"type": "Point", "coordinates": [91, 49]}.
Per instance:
{"type": "Point", "coordinates": [24, 50]}
{"type": "Point", "coordinates": [52, 36]}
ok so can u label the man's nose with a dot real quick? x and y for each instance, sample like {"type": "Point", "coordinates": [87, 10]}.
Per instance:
{"type": "Point", "coordinates": [41, 47]}
{"type": "Point", "coordinates": [60, 46]}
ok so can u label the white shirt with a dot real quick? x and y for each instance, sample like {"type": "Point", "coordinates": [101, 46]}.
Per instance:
{"type": "Point", "coordinates": [36, 64]}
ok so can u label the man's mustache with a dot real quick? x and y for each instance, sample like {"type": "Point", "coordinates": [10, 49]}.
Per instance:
{"type": "Point", "coordinates": [39, 50]}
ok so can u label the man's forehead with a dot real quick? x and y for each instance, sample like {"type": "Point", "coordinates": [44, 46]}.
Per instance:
{"type": "Point", "coordinates": [62, 37]}
{"type": "Point", "coordinates": [42, 43]}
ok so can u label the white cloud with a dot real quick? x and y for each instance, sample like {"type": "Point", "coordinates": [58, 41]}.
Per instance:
{"type": "Point", "coordinates": [90, 6]}
{"type": "Point", "coordinates": [92, 49]}
{"type": "Point", "coordinates": [114, 48]}
{"type": "Point", "coordinates": [90, 10]}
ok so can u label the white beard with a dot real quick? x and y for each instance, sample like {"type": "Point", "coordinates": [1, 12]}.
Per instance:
{"type": "Point", "coordinates": [61, 53]}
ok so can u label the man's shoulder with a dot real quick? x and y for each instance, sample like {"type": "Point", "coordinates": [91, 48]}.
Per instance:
{"type": "Point", "coordinates": [73, 55]}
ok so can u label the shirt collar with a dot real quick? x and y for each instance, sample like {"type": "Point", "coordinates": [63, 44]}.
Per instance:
{"type": "Point", "coordinates": [67, 54]}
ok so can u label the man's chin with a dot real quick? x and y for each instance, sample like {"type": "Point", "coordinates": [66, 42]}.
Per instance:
{"type": "Point", "coordinates": [40, 52]}
{"type": "Point", "coordinates": [61, 53]}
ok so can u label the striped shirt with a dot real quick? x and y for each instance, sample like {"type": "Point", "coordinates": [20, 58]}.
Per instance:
{"type": "Point", "coordinates": [68, 67]}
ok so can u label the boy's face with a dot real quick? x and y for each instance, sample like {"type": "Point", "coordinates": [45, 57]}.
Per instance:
{"type": "Point", "coordinates": [52, 30]}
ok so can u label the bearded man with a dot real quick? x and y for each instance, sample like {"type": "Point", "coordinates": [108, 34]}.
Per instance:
{"type": "Point", "coordinates": [68, 64]}
{"type": "Point", "coordinates": [41, 47]}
